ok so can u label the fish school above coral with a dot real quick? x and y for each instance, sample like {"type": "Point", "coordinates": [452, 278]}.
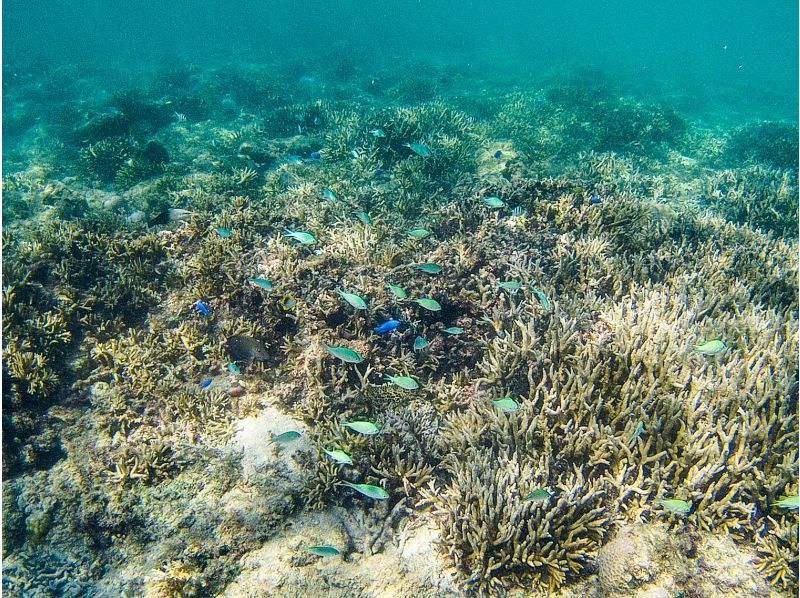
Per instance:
{"type": "Point", "coordinates": [456, 336]}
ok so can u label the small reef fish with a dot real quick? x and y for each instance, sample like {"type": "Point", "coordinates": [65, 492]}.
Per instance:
{"type": "Point", "coordinates": [377, 133]}
{"type": "Point", "coordinates": [674, 505]}
{"type": "Point", "coordinates": [329, 194]}
{"type": "Point", "coordinates": [205, 383]}
{"type": "Point", "coordinates": [420, 149]}
{"type": "Point", "coordinates": [233, 368]}
{"type": "Point", "coordinates": [506, 404]}
{"type": "Point", "coordinates": [343, 353]}
{"type": "Point", "coordinates": [286, 436]}
{"type": "Point", "coordinates": [518, 211]}
{"type": "Point", "coordinates": [636, 432]}
{"type": "Point", "coordinates": [362, 427]}
{"type": "Point", "coordinates": [201, 307]}
{"type": "Point", "coordinates": [322, 550]}
{"type": "Point", "coordinates": [397, 291]}
{"type": "Point", "coordinates": [454, 330]}
{"type": "Point", "coordinates": [246, 348]}
{"type": "Point", "coordinates": [405, 382]}
{"type": "Point", "coordinates": [594, 200]}
{"type": "Point", "coordinates": [509, 285]}
{"type": "Point", "coordinates": [428, 303]}
{"type": "Point", "coordinates": [262, 283]}
{"type": "Point", "coordinates": [317, 155]}
{"type": "Point", "coordinates": [295, 160]}
{"type": "Point", "coordinates": [375, 492]}
{"type": "Point", "coordinates": [493, 202]}
{"type": "Point", "coordinates": [339, 456]}
{"type": "Point", "coordinates": [363, 217]}
{"type": "Point", "coordinates": [710, 348]}
{"type": "Point", "coordinates": [420, 343]}
{"type": "Point", "coordinates": [498, 154]}
{"type": "Point", "coordinates": [788, 502]}
{"type": "Point", "coordinates": [543, 300]}
{"type": "Point", "coordinates": [300, 236]}
{"type": "Point", "coordinates": [538, 496]}
{"type": "Point", "coordinates": [429, 268]}
{"type": "Point", "coordinates": [352, 299]}
{"type": "Point", "coordinates": [418, 233]}
{"type": "Point", "coordinates": [288, 303]}
{"type": "Point", "coordinates": [223, 232]}
{"type": "Point", "coordinates": [377, 172]}
{"type": "Point", "coordinates": [386, 327]}
{"type": "Point", "coordinates": [170, 215]}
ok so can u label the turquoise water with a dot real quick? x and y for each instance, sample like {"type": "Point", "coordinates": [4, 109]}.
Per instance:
{"type": "Point", "coordinates": [286, 283]}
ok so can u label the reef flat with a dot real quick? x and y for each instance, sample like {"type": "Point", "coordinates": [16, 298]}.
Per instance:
{"type": "Point", "coordinates": [292, 330]}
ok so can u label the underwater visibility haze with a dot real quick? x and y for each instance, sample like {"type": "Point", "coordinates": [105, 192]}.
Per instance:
{"type": "Point", "coordinates": [401, 298]}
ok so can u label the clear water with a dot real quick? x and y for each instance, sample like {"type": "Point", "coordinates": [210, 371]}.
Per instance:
{"type": "Point", "coordinates": [115, 113]}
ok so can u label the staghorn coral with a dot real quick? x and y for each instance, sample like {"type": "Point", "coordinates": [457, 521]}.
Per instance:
{"type": "Point", "coordinates": [762, 197]}
{"type": "Point", "coordinates": [616, 409]}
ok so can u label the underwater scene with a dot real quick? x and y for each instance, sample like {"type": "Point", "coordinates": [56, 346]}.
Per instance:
{"type": "Point", "coordinates": [400, 299]}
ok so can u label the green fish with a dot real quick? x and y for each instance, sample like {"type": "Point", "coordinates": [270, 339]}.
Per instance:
{"type": "Point", "coordinates": [223, 232]}
{"type": "Point", "coordinates": [674, 505]}
{"type": "Point", "coordinates": [493, 202]}
{"type": "Point", "coordinates": [420, 149]}
{"type": "Point", "coordinates": [506, 404]}
{"type": "Point", "coordinates": [322, 550]}
{"type": "Point", "coordinates": [418, 233]}
{"type": "Point", "coordinates": [286, 436]}
{"type": "Point", "coordinates": [402, 381]}
{"type": "Point", "coordinates": [543, 300]}
{"type": "Point", "coordinates": [538, 496]}
{"type": "Point", "coordinates": [363, 217]}
{"type": "Point", "coordinates": [428, 303]}
{"type": "Point", "coordinates": [261, 283]}
{"type": "Point", "coordinates": [429, 268]}
{"type": "Point", "coordinates": [301, 237]}
{"type": "Point", "coordinates": [377, 133]}
{"type": "Point", "coordinates": [362, 427]}
{"type": "Point", "coordinates": [420, 343]}
{"type": "Point", "coordinates": [375, 492]}
{"type": "Point", "coordinates": [637, 432]}
{"type": "Point", "coordinates": [509, 285]}
{"type": "Point", "coordinates": [343, 353]}
{"type": "Point", "coordinates": [788, 502]}
{"type": "Point", "coordinates": [454, 330]}
{"type": "Point", "coordinates": [397, 291]}
{"type": "Point", "coordinates": [710, 348]}
{"type": "Point", "coordinates": [233, 368]}
{"type": "Point", "coordinates": [329, 194]}
{"type": "Point", "coordinates": [352, 299]}
{"type": "Point", "coordinates": [339, 456]}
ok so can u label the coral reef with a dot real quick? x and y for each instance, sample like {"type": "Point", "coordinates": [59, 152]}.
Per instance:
{"type": "Point", "coordinates": [143, 457]}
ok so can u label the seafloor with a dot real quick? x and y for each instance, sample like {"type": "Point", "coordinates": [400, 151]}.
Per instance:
{"type": "Point", "coordinates": [627, 233]}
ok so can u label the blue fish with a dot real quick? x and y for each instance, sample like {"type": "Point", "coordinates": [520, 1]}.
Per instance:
{"type": "Point", "coordinates": [595, 200]}
{"type": "Point", "coordinates": [497, 154]}
{"type": "Point", "coordinates": [317, 155]}
{"type": "Point", "coordinates": [201, 307]}
{"type": "Point", "coordinates": [377, 172]}
{"type": "Point", "coordinates": [387, 326]}
{"type": "Point", "coordinates": [205, 383]}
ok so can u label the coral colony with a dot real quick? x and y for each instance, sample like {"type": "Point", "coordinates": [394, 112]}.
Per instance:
{"type": "Point", "coordinates": [542, 342]}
